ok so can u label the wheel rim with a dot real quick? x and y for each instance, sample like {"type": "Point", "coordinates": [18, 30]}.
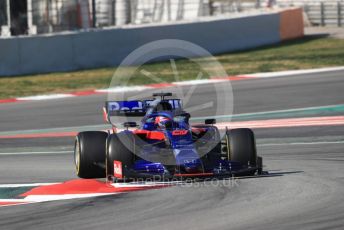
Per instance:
{"type": "Point", "coordinates": [77, 156]}
{"type": "Point", "coordinates": [228, 147]}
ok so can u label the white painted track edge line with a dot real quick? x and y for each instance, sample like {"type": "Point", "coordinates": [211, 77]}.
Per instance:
{"type": "Point", "coordinates": [26, 185]}
{"type": "Point", "coordinates": [301, 143]}
{"type": "Point", "coordinates": [44, 97]}
{"type": "Point", "coordinates": [29, 153]}
{"type": "Point", "coordinates": [294, 72]}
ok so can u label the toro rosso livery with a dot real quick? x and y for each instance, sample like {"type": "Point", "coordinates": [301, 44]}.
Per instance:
{"type": "Point", "coordinates": [164, 145]}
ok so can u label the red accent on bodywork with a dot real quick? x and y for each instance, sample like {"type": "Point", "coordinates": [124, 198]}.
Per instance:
{"type": "Point", "coordinates": [179, 132]}
{"type": "Point", "coordinates": [153, 135]}
{"type": "Point", "coordinates": [105, 115]}
{"type": "Point", "coordinates": [117, 169]}
{"type": "Point", "coordinates": [198, 130]}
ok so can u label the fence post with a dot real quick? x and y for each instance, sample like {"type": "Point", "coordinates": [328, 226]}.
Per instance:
{"type": "Point", "coordinates": [94, 14]}
{"type": "Point", "coordinates": [32, 29]}
{"type": "Point", "coordinates": [8, 13]}
{"type": "Point", "coordinates": [180, 10]}
{"type": "Point", "coordinates": [258, 4]}
{"type": "Point", "coordinates": [306, 8]}
{"type": "Point", "coordinates": [339, 15]}
{"type": "Point", "coordinates": [48, 14]}
{"type": "Point", "coordinates": [155, 9]}
{"type": "Point", "coordinates": [168, 10]}
{"type": "Point", "coordinates": [5, 30]}
{"type": "Point", "coordinates": [131, 7]}
{"type": "Point", "coordinates": [211, 7]}
{"type": "Point", "coordinates": [322, 12]}
{"type": "Point", "coordinates": [113, 12]}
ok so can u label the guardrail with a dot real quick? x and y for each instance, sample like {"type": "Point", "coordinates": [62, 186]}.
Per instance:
{"type": "Point", "coordinates": [319, 12]}
{"type": "Point", "coordinates": [325, 13]}
{"type": "Point", "coordinates": [49, 16]}
{"type": "Point", "coordinates": [43, 16]}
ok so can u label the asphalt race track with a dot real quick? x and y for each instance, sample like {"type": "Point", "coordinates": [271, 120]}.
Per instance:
{"type": "Point", "coordinates": [303, 190]}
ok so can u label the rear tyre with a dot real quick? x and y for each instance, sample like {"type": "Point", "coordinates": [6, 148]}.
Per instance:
{"type": "Point", "coordinates": [120, 147]}
{"type": "Point", "coordinates": [89, 154]}
{"type": "Point", "coordinates": [242, 147]}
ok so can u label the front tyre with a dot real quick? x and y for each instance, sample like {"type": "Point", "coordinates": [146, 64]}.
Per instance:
{"type": "Point", "coordinates": [242, 147]}
{"type": "Point", "coordinates": [89, 154]}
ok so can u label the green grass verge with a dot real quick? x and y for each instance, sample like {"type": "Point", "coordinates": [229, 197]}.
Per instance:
{"type": "Point", "coordinates": [305, 53]}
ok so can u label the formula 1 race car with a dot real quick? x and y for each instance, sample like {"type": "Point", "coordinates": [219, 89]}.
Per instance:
{"type": "Point", "coordinates": [164, 145]}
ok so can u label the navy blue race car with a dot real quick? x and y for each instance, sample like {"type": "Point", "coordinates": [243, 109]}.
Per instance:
{"type": "Point", "coordinates": [164, 146]}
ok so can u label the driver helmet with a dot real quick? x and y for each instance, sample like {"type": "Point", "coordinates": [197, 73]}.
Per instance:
{"type": "Point", "coordinates": [163, 122]}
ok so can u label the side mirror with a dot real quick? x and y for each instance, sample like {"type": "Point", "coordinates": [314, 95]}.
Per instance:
{"type": "Point", "coordinates": [130, 124]}
{"type": "Point", "coordinates": [210, 121]}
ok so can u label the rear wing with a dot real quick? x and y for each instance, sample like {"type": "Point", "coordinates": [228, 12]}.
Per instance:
{"type": "Point", "coordinates": [134, 108]}
{"type": "Point", "coordinates": [125, 108]}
